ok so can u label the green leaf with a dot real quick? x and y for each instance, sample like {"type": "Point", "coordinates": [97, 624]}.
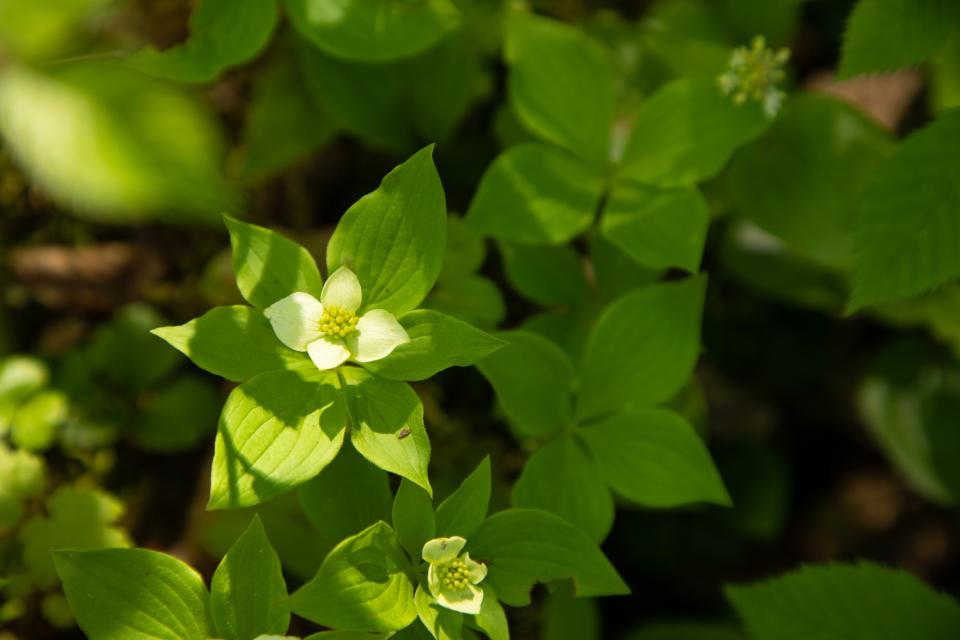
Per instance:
{"type": "Point", "coordinates": [686, 132]}
{"type": "Point", "coordinates": [615, 272]}
{"type": "Point", "coordinates": [561, 85]}
{"type": "Point", "coordinates": [37, 421]}
{"type": "Point", "coordinates": [116, 160]}
{"type": "Point", "coordinates": [442, 623]}
{"type": "Point", "coordinates": [300, 547]}
{"type": "Point", "coordinates": [525, 546]}
{"type": "Point", "coordinates": [534, 381]}
{"type": "Point", "coordinates": [900, 255]}
{"type": "Point", "coordinates": [366, 100]}
{"type": "Point", "coordinates": [20, 377]}
{"type": "Point", "coordinates": [248, 593]}
{"type": "Point", "coordinates": [277, 430]}
{"type": "Point", "coordinates": [492, 619]}
{"type": "Point", "coordinates": [886, 35]}
{"type": "Point", "coordinates": [800, 180]}
{"type": "Point", "coordinates": [283, 124]}
{"type": "Point", "coordinates": [464, 510]}
{"type": "Point", "coordinates": [474, 299]}
{"type": "Point", "coordinates": [413, 518]}
{"type": "Point", "coordinates": [21, 472]}
{"type": "Point", "coordinates": [901, 401]}
{"type": "Point", "coordinates": [77, 519]}
{"type": "Point", "coordinates": [223, 34]}
{"type": "Point", "coordinates": [236, 343]}
{"type": "Point", "coordinates": [373, 30]}
{"type": "Point", "coordinates": [134, 594]}
{"type": "Point", "coordinates": [537, 194]}
{"type": "Point", "coordinates": [561, 478]}
{"type": "Point", "coordinates": [177, 416]}
{"type": "Point", "coordinates": [393, 238]}
{"type": "Point", "coordinates": [659, 228]}
{"type": "Point", "coordinates": [853, 602]}
{"type": "Point", "coordinates": [349, 495]}
{"type": "Point", "coordinates": [121, 354]}
{"type": "Point", "coordinates": [465, 251]}
{"type": "Point", "coordinates": [437, 342]}
{"type": "Point", "coordinates": [21, 476]}
{"type": "Point", "coordinates": [570, 618]}
{"type": "Point", "coordinates": [547, 274]}
{"type": "Point", "coordinates": [39, 32]}
{"type": "Point", "coordinates": [386, 425]}
{"type": "Point", "coordinates": [688, 38]}
{"type": "Point", "coordinates": [361, 586]}
{"type": "Point", "coordinates": [643, 348]}
{"type": "Point", "coordinates": [269, 266]}
{"type": "Point", "coordinates": [655, 458]}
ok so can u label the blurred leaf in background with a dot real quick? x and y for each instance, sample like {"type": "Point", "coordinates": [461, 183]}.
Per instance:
{"type": "Point", "coordinates": [113, 145]}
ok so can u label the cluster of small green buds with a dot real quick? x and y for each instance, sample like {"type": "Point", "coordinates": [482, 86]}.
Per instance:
{"type": "Point", "coordinates": [753, 74]}
{"type": "Point", "coordinates": [338, 322]}
{"type": "Point", "coordinates": [453, 575]}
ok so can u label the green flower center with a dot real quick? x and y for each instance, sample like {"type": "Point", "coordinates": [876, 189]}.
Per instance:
{"type": "Point", "coordinates": [453, 575]}
{"type": "Point", "coordinates": [754, 72]}
{"type": "Point", "coordinates": [338, 322]}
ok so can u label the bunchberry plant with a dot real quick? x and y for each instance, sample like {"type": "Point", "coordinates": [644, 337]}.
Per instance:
{"type": "Point", "coordinates": [298, 399]}
{"type": "Point", "coordinates": [706, 272]}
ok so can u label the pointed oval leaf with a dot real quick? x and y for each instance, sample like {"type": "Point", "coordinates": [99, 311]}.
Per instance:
{"type": "Point", "coordinates": [523, 547]}
{"type": "Point", "coordinates": [134, 594]}
{"type": "Point", "coordinates": [235, 343]}
{"type": "Point", "coordinates": [248, 593]}
{"type": "Point", "coordinates": [277, 430]}
{"type": "Point", "coordinates": [394, 238]}
{"type": "Point", "coordinates": [654, 457]}
{"type": "Point", "coordinates": [361, 585]}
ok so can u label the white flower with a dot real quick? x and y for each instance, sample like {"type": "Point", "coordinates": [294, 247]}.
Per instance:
{"type": "Point", "coordinates": [453, 578]}
{"type": "Point", "coordinates": [329, 329]}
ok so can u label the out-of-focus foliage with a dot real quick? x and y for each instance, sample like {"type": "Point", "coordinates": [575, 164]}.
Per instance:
{"type": "Point", "coordinates": [705, 270]}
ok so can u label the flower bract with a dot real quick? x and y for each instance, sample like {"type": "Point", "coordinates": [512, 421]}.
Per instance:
{"type": "Point", "coordinates": [330, 330]}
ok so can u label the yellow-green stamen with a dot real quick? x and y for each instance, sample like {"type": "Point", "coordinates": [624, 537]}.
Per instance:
{"type": "Point", "coordinates": [338, 322]}
{"type": "Point", "coordinates": [453, 575]}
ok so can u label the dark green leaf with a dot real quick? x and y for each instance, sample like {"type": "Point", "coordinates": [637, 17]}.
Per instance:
{"type": "Point", "coordinates": [248, 592]}
{"type": "Point", "coordinates": [886, 35]}
{"type": "Point", "coordinates": [548, 274]}
{"type": "Point", "coordinates": [659, 228]}
{"type": "Point", "coordinates": [561, 85]}
{"type": "Point", "coordinates": [373, 30]}
{"type": "Point", "coordinates": [800, 180]}
{"type": "Point", "coordinates": [853, 602]}
{"type": "Point", "coordinates": [643, 347]}
{"type": "Point", "coordinates": [533, 380]}
{"type": "Point", "coordinates": [413, 518]}
{"type": "Point", "coordinates": [537, 194]}
{"type": "Point", "coordinates": [905, 233]}
{"type": "Point", "coordinates": [686, 132]}
{"type": "Point", "coordinates": [525, 546]}
{"type": "Point", "coordinates": [223, 34]}
{"type": "Point", "coordinates": [463, 511]}
{"type": "Point", "coordinates": [349, 495]}
{"type": "Point", "coordinates": [561, 478]}
{"type": "Point", "coordinates": [655, 458]}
